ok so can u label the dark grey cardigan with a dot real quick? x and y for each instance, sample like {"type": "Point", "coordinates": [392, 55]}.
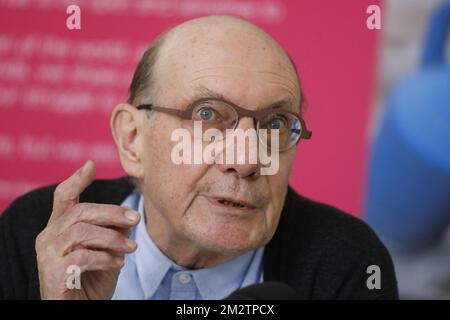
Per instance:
{"type": "Point", "coordinates": [318, 250]}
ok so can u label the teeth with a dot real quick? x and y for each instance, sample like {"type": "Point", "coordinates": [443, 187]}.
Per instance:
{"type": "Point", "coordinates": [232, 204]}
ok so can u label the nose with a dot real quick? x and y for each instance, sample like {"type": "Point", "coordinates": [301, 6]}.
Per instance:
{"type": "Point", "coordinates": [241, 151]}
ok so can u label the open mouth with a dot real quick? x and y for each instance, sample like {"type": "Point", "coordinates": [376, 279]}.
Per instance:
{"type": "Point", "coordinates": [232, 203]}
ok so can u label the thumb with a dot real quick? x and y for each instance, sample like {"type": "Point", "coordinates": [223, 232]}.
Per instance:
{"type": "Point", "coordinates": [67, 193]}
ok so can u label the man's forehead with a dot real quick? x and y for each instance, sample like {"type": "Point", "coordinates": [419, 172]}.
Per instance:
{"type": "Point", "coordinates": [221, 39]}
{"type": "Point", "coordinates": [246, 86]}
{"type": "Point", "coordinates": [193, 55]}
{"type": "Point", "coordinates": [203, 92]}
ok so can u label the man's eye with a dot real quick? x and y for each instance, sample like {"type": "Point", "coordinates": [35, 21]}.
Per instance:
{"type": "Point", "coordinates": [276, 123]}
{"type": "Point", "coordinates": [206, 114]}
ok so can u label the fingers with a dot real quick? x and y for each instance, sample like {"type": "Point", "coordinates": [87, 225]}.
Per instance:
{"type": "Point", "coordinates": [84, 235]}
{"type": "Point", "coordinates": [106, 215]}
{"type": "Point", "coordinates": [93, 237]}
{"type": "Point", "coordinates": [126, 232]}
{"type": "Point", "coordinates": [67, 193]}
{"type": "Point", "coordinates": [76, 271]}
{"type": "Point", "coordinates": [91, 260]}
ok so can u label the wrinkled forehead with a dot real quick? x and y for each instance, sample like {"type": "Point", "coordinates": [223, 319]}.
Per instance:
{"type": "Point", "coordinates": [236, 60]}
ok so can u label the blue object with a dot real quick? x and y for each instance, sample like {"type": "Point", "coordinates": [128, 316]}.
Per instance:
{"type": "Point", "coordinates": [408, 194]}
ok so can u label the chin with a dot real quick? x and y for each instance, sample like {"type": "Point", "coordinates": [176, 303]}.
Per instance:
{"type": "Point", "coordinates": [227, 238]}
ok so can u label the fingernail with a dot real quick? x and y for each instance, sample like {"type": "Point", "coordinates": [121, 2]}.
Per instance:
{"type": "Point", "coordinates": [132, 215]}
{"type": "Point", "coordinates": [131, 243]}
{"type": "Point", "coordinates": [119, 260]}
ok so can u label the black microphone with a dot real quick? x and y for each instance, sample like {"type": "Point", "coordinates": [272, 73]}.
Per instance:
{"type": "Point", "coordinates": [270, 290]}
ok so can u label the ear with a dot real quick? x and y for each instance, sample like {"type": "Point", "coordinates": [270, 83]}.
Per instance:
{"type": "Point", "coordinates": [125, 130]}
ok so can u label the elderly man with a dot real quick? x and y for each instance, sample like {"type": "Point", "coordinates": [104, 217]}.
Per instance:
{"type": "Point", "coordinates": [193, 230]}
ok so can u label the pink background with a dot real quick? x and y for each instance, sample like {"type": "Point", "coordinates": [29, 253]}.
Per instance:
{"type": "Point", "coordinates": [57, 87]}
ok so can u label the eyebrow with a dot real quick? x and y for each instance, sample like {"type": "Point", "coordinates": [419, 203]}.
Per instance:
{"type": "Point", "coordinates": [202, 92]}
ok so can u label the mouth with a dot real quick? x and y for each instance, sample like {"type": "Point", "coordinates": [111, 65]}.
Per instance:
{"type": "Point", "coordinates": [232, 203]}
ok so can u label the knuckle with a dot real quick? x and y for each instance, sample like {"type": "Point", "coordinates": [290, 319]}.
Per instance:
{"type": "Point", "coordinates": [80, 231]}
{"type": "Point", "coordinates": [42, 258]}
{"type": "Point", "coordinates": [119, 209]}
{"type": "Point", "coordinates": [81, 211]}
{"type": "Point", "coordinates": [62, 193]}
{"type": "Point", "coordinates": [40, 241]}
{"type": "Point", "coordinates": [59, 191]}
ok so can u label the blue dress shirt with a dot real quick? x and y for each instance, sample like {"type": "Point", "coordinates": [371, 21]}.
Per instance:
{"type": "Point", "coordinates": [149, 274]}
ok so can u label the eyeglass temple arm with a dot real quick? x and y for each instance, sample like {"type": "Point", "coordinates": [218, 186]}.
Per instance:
{"type": "Point", "coordinates": [185, 114]}
{"type": "Point", "coordinates": [305, 134]}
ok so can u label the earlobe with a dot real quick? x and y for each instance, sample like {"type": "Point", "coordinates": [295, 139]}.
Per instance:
{"type": "Point", "coordinates": [125, 131]}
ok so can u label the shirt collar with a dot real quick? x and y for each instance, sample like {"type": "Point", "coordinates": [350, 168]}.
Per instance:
{"type": "Point", "coordinates": [213, 283]}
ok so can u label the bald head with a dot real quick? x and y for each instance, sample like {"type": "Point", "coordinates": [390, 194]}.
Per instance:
{"type": "Point", "coordinates": [210, 43]}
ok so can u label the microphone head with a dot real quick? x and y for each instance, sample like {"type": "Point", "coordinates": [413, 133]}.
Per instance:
{"type": "Point", "coordinates": [270, 290]}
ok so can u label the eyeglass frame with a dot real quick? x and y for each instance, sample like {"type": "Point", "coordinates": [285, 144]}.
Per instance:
{"type": "Point", "coordinates": [256, 115]}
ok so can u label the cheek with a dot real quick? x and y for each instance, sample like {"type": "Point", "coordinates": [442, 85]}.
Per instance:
{"type": "Point", "coordinates": [163, 173]}
{"type": "Point", "coordinates": [170, 186]}
{"type": "Point", "coordinates": [278, 183]}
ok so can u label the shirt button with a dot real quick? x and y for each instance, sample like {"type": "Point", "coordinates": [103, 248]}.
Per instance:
{"type": "Point", "coordinates": [184, 278]}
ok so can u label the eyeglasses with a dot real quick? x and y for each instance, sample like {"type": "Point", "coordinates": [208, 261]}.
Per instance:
{"type": "Point", "coordinates": [222, 115]}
